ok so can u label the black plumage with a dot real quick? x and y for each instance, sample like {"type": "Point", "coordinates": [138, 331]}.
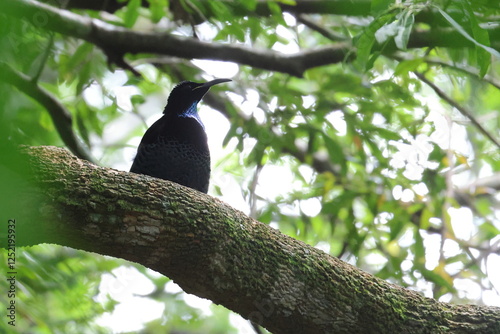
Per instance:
{"type": "Point", "coordinates": [175, 147]}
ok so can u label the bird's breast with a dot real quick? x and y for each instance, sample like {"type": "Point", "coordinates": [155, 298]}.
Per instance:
{"type": "Point", "coordinates": [175, 149]}
{"type": "Point", "coordinates": [170, 159]}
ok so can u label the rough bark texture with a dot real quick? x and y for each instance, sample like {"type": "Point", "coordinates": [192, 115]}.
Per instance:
{"type": "Point", "coordinates": [216, 252]}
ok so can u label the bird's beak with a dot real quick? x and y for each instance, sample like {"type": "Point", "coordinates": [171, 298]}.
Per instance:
{"type": "Point", "coordinates": [209, 84]}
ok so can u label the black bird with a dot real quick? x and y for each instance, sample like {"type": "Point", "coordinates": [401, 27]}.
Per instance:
{"type": "Point", "coordinates": [175, 147]}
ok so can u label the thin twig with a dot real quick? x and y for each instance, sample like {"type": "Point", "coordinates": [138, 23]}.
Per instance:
{"type": "Point", "coordinates": [464, 111]}
{"type": "Point", "coordinates": [469, 70]}
{"type": "Point", "coordinates": [331, 35]}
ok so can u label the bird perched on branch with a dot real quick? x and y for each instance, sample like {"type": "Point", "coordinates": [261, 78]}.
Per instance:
{"type": "Point", "coordinates": [175, 147]}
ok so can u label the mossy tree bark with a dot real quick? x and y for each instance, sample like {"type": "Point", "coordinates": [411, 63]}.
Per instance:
{"type": "Point", "coordinates": [216, 252]}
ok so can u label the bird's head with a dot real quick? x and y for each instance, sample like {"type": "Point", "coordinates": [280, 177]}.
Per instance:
{"type": "Point", "coordinates": [184, 98]}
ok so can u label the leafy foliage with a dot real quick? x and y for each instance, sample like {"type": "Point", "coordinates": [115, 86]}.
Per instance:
{"type": "Point", "coordinates": [361, 158]}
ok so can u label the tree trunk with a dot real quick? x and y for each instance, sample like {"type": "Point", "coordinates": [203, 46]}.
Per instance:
{"type": "Point", "coordinates": [214, 251]}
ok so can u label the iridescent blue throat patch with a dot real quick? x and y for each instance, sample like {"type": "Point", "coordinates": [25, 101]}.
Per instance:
{"type": "Point", "coordinates": [192, 112]}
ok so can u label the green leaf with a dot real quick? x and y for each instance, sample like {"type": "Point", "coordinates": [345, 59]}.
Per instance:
{"type": "Point", "coordinates": [276, 12]}
{"type": "Point", "coordinates": [374, 149]}
{"type": "Point", "coordinates": [489, 231]}
{"type": "Point", "coordinates": [464, 33]}
{"type": "Point", "coordinates": [137, 99]}
{"type": "Point", "coordinates": [396, 226]}
{"type": "Point", "coordinates": [303, 86]}
{"type": "Point", "coordinates": [462, 258]}
{"type": "Point", "coordinates": [132, 13]}
{"type": "Point", "coordinates": [419, 248]}
{"type": "Point", "coordinates": [404, 30]}
{"type": "Point", "coordinates": [257, 155]}
{"type": "Point", "coordinates": [378, 6]}
{"type": "Point", "coordinates": [157, 9]}
{"type": "Point", "coordinates": [237, 32]}
{"type": "Point", "coordinates": [483, 206]}
{"type": "Point", "coordinates": [335, 151]}
{"type": "Point", "coordinates": [266, 216]}
{"type": "Point", "coordinates": [233, 132]}
{"type": "Point", "coordinates": [481, 36]}
{"type": "Point", "coordinates": [435, 277]}
{"type": "Point", "coordinates": [220, 10]}
{"type": "Point", "coordinates": [408, 66]}
{"type": "Point", "coordinates": [255, 27]}
{"type": "Point", "coordinates": [84, 77]}
{"type": "Point", "coordinates": [425, 217]}
{"type": "Point", "coordinates": [249, 5]}
{"type": "Point", "coordinates": [84, 134]}
{"type": "Point", "coordinates": [364, 42]}
{"type": "Point", "coordinates": [386, 133]}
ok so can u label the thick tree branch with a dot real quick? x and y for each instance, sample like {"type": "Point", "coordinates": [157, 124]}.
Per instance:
{"type": "Point", "coordinates": [218, 253]}
{"type": "Point", "coordinates": [119, 41]}
{"type": "Point", "coordinates": [58, 113]}
{"type": "Point", "coordinates": [360, 8]}
{"type": "Point", "coordinates": [340, 7]}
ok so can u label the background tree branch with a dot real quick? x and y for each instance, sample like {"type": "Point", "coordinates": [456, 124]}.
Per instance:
{"type": "Point", "coordinates": [362, 8]}
{"type": "Point", "coordinates": [218, 253]}
{"type": "Point", "coordinates": [58, 113]}
{"type": "Point", "coordinates": [117, 41]}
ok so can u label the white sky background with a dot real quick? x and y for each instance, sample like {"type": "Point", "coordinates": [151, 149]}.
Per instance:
{"type": "Point", "coordinates": [126, 285]}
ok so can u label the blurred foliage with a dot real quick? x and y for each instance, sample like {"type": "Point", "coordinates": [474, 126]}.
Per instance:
{"type": "Point", "coordinates": [370, 164]}
{"type": "Point", "coordinates": [54, 290]}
